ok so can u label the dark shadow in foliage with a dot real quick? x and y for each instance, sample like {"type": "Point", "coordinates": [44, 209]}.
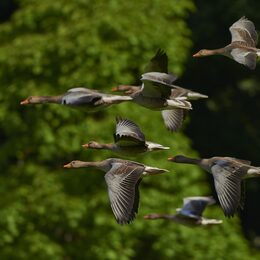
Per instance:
{"type": "Point", "coordinates": [228, 123]}
{"type": "Point", "coordinates": [7, 8]}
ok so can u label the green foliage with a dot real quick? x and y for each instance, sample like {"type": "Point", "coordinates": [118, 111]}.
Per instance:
{"type": "Point", "coordinates": [50, 213]}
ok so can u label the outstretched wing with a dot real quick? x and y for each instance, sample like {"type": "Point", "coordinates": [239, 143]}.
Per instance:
{"type": "Point", "coordinates": [158, 63]}
{"type": "Point", "coordinates": [81, 89]}
{"type": "Point", "coordinates": [186, 94]}
{"type": "Point", "coordinates": [227, 180]}
{"type": "Point", "coordinates": [80, 98]}
{"type": "Point", "coordinates": [128, 133]}
{"type": "Point", "coordinates": [122, 181]}
{"type": "Point", "coordinates": [173, 118]}
{"type": "Point", "coordinates": [157, 84]}
{"type": "Point", "coordinates": [244, 31]}
{"type": "Point", "coordinates": [238, 160]}
{"type": "Point", "coordinates": [194, 206]}
{"type": "Point", "coordinates": [244, 57]}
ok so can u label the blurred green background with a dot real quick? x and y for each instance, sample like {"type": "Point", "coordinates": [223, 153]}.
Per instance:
{"type": "Point", "coordinates": [47, 47]}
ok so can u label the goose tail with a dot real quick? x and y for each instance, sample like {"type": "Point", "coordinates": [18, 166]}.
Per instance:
{"type": "Point", "coordinates": [153, 170]}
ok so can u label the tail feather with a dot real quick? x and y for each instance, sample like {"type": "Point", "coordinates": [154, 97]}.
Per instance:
{"type": "Point", "coordinates": [154, 146]}
{"type": "Point", "coordinates": [153, 170]}
{"type": "Point", "coordinates": [206, 221]}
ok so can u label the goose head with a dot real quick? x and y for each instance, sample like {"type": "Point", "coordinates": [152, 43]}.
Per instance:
{"type": "Point", "coordinates": [30, 100]}
{"type": "Point", "coordinates": [152, 216]}
{"type": "Point", "coordinates": [177, 158]}
{"type": "Point", "coordinates": [93, 145]}
{"type": "Point", "coordinates": [205, 52]}
{"type": "Point", "coordinates": [75, 164]}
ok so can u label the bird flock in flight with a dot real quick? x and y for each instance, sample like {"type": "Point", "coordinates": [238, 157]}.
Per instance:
{"type": "Point", "coordinates": [158, 92]}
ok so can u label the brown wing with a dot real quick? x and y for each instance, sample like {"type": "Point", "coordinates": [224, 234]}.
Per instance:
{"type": "Point", "coordinates": [245, 57]}
{"type": "Point", "coordinates": [158, 63]}
{"type": "Point", "coordinates": [227, 180]}
{"type": "Point", "coordinates": [244, 31]}
{"type": "Point", "coordinates": [122, 181]}
{"type": "Point", "coordinates": [194, 206]}
{"type": "Point", "coordinates": [128, 133]}
{"type": "Point", "coordinates": [238, 160]}
{"type": "Point", "coordinates": [157, 84]}
{"type": "Point", "coordinates": [173, 118]}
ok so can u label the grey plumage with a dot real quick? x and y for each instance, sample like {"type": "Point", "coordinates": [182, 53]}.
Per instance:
{"type": "Point", "coordinates": [228, 173]}
{"type": "Point", "coordinates": [158, 63]}
{"type": "Point", "coordinates": [129, 131]}
{"type": "Point", "coordinates": [193, 207]}
{"type": "Point", "coordinates": [191, 212]}
{"type": "Point", "coordinates": [88, 99]}
{"type": "Point", "coordinates": [243, 31]}
{"type": "Point", "coordinates": [173, 119]}
{"type": "Point", "coordinates": [157, 90]}
{"type": "Point", "coordinates": [243, 44]}
{"type": "Point", "coordinates": [128, 140]}
{"type": "Point", "coordinates": [122, 178]}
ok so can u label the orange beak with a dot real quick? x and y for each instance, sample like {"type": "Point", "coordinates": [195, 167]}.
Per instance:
{"type": "Point", "coordinates": [170, 158]}
{"type": "Point", "coordinates": [152, 216]}
{"type": "Point", "coordinates": [196, 55]}
{"type": "Point", "coordinates": [85, 146]}
{"type": "Point", "coordinates": [67, 165]}
{"type": "Point", "coordinates": [24, 102]}
{"type": "Point", "coordinates": [114, 89]}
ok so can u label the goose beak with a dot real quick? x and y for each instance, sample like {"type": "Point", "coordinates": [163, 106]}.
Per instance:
{"type": "Point", "coordinates": [170, 158]}
{"type": "Point", "coordinates": [67, 165]}
{"type": "Point", "coordinates": [114, 89]}
{"type": "Point", "coordinates": [152, 216]}
{"type": "Point", "coordinates": [25, 102]}
{"type": "Point", "coordinates": [196, 55]}
{"type": "Point", "coordinates": [85, 146]}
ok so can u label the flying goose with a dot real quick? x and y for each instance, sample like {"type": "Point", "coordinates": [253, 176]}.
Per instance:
{"type": "Point", "coordinates": [191, 212]}
{"type": "Point", "coordinates": [173, 118]}
{"type": "Point", "coordinates": [155, 94]}
{"type": "Point", "coordinates": [122, 178]}
{"type": "Point", "coordinates": [177, 92]}
{"type": "Point", "coordinates": [79, 97]}
{"type": "Point", "coordinates": [128, 140]}
{"type": "Point", "coordinates": [228, 173]}
{"type": "Point", "coordinates": [243, 44]}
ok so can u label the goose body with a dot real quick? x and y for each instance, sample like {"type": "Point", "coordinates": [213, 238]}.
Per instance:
{"type": "Point", "coordinates": [122, 178]}
{"type": "Point", "coordinates": [158, 92]}
{"type": "Point", "coordinates": [79, 97]}
{"type": "Point", "coordinates": [155, 94]}
{"type": "Point", "coordinates": [128, 140]}
{"type": "Point", "coordinates": [177, 92]}
{"type": "Point", "coordinates": [242, 47]}
{"type": "Point", "coordinates": [191, 212]}
{"type": "Point", "coordinates": [228, 173]}
{"type": "Point", "coordinates": [173, 118]}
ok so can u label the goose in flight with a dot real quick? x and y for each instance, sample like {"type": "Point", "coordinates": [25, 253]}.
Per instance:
{"type": "Point", "coordinates": [128, 140]}
{"type": "Point", "coordinates": [242, 47]}
{"type": "Point", "coordinates": [122, 178]}
{"type": "Point", "coordinates": [79, 97]}
{"type": "Point", "coordinates": [191, 212]}
{"type": "Point", "coordinates": [228, 173]}
{"type": "Point", "coordinates": [173, 118]}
